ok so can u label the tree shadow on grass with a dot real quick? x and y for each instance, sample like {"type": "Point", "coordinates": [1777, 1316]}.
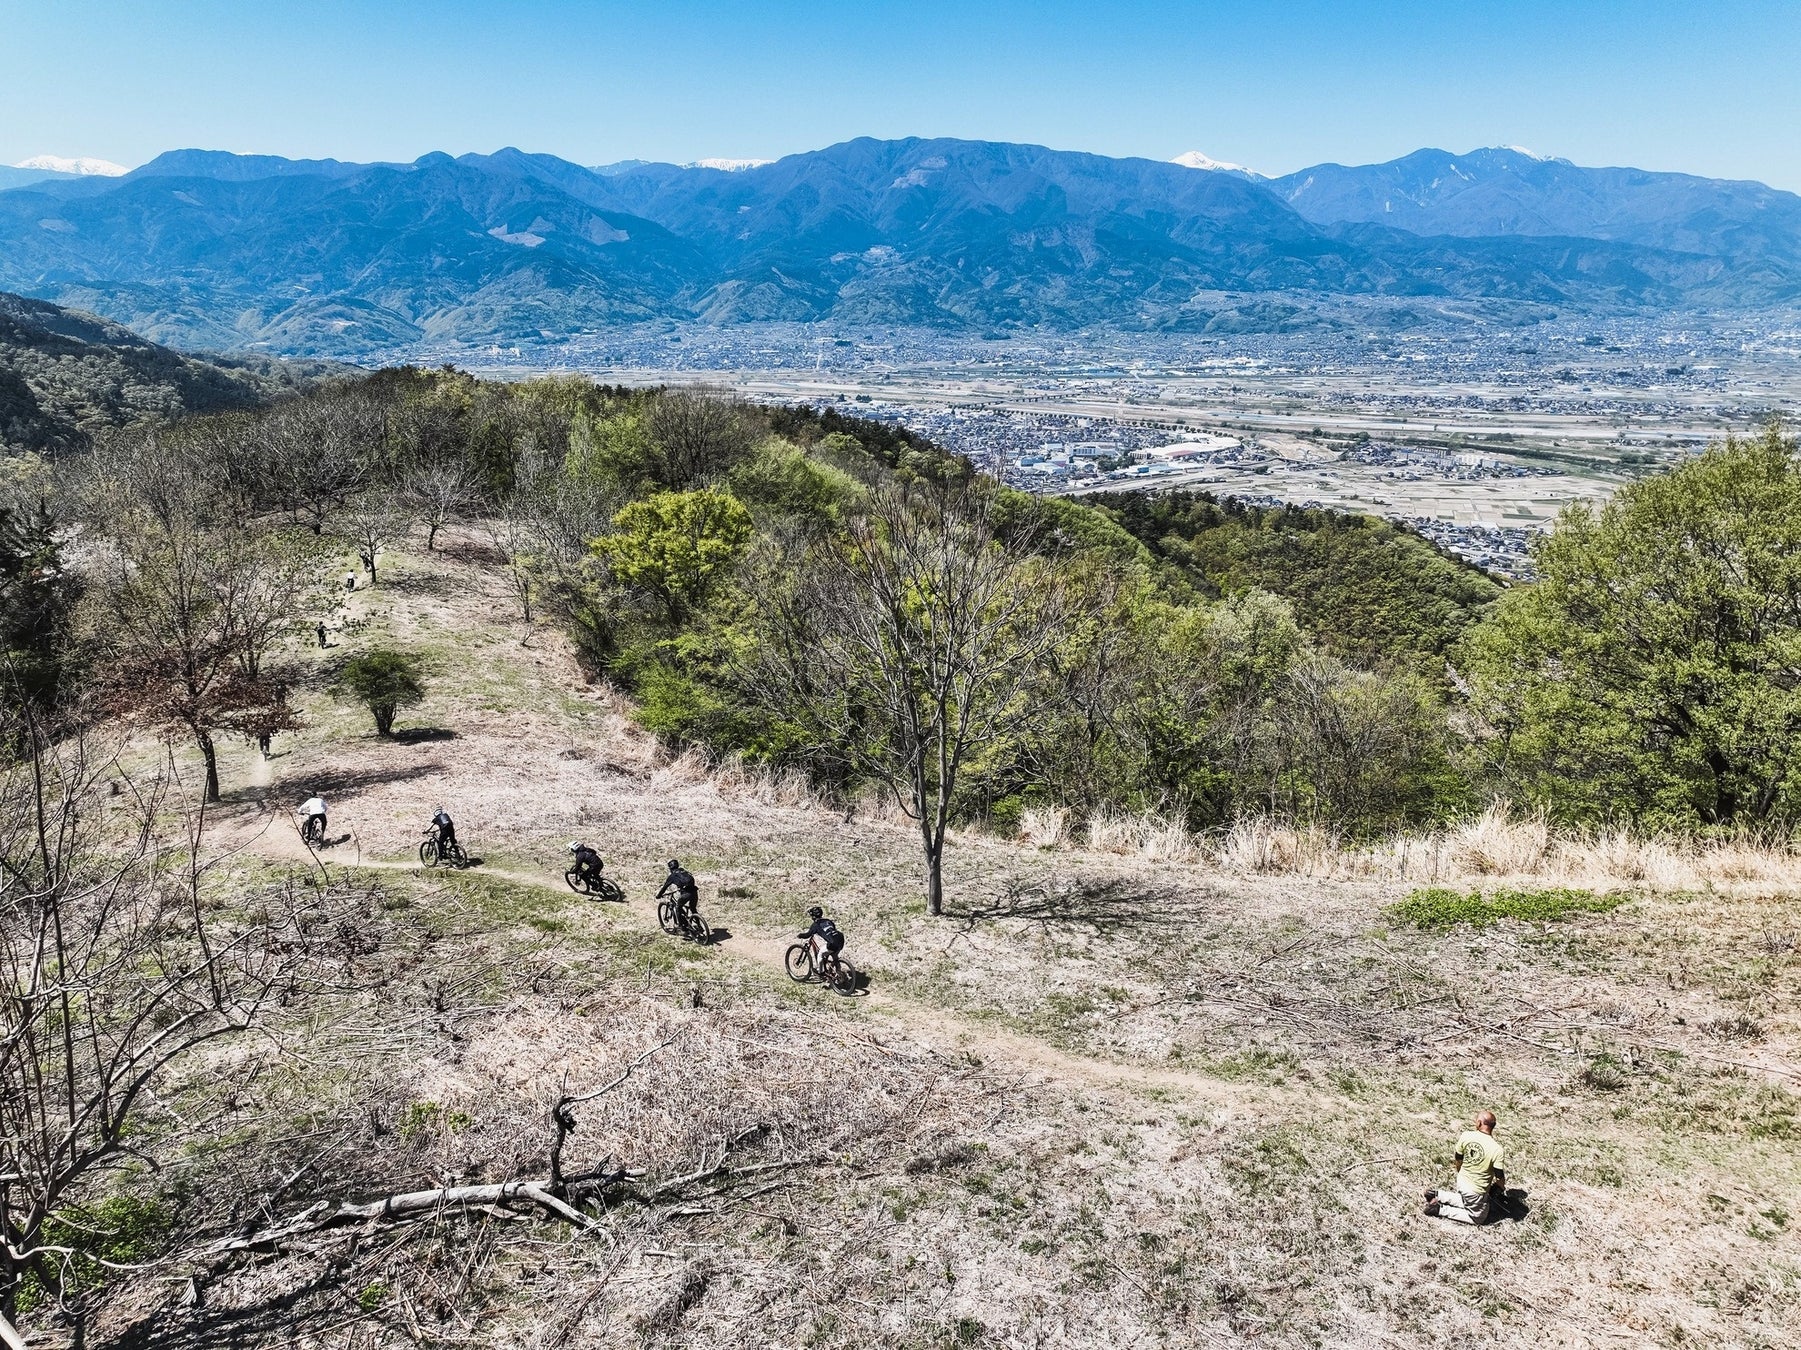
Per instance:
{"type": "Point", "coordinates": [419, 735]}
{"type": "Point", "coordinates": [1105, 903]}
{"type": "Point", "coordinates": [341, 781]}
{"type": "Point", "coordinates": [420, 583]}
{"type": "Point", "coordinates": [268, 1319]}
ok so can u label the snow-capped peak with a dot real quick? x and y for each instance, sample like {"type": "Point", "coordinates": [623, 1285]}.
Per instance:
{"type": "Point", "coordinates": [1194, 159]}
{"type": "Point", "coordinates": [728, 165]}
{"type": "Point", "coordinates": [86, 167]}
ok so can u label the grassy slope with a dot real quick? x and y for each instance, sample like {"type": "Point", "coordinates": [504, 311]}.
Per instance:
{"type": "Point", "coordinates": [1104, 1101]}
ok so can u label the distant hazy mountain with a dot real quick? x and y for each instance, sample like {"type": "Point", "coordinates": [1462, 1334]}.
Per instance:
{"type": "Point", "coordinates": [1513, 192]}
{"type": "Point", "coordinates": [65, 375]}
{"type": "Point", "coordinates": [40, 168]}
{"type": "Point", "coordinates": [226, 251]}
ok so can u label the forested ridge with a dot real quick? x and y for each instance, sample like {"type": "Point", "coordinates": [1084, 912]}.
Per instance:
{"type": "Point", "coordinates": [1366, 590]}
{"type": "Point", "coordinates": [65, 375]}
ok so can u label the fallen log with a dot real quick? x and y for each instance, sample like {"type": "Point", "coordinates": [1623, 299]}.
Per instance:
{"type": "Point", "coordinates": [419, 1204]}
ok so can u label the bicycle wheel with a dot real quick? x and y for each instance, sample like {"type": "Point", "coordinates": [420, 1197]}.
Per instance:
{"type": "Point", "coordinates": [846, 977]}
{"type": "Point", "coordinates": [799, 963]}
{"type": "Point", "coordinates": [610, 891]}
{"type": "Point", "coordinates": [666, 916]}
{"type": "Point", "coordinates": [698, 931]}
{"type": "Point", "coordinates": [577, 882]}
{"type": "Point", "coordinates": [458, 858]}
{"type": "Point", "coordinates": [428, 852]}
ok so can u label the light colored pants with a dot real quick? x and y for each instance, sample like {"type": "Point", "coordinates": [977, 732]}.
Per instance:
{"type": "Point", "coordinates": [1460, 1208]}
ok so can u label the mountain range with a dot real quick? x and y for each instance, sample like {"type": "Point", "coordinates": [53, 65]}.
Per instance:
{"type": "Point", "coordinates": [215, 250]}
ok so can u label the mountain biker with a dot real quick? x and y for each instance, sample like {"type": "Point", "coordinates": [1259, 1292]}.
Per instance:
{"type": "Point", "coordinates": [587, 861]}
{"type": "Point", "coordinates": [313, 808]}
{"type": "Point", "coordinates": [822, 934]}
{"type": "Point", "coordinates": [446, 829]}
{"type": "Point", "coordinates": [687, 892]}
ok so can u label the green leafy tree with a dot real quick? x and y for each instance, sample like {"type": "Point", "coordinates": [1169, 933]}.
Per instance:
{"type": "Point", "coordinates": [384, 681]}
{"type": "Point", "coordinates": [1653, 672]}
{"type": "Point", "coordinates": [674, 548]}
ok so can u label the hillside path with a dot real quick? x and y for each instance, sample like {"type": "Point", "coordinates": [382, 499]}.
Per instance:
{"type": "Point", "coordinates": [941, 1031]}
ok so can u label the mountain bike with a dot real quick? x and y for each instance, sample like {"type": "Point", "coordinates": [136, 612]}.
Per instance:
{"type": "Point", "coordinates": [593, 883]}
{"type": "Point", "coordinates": [806, 961]}
{"type": "Point", "coordinates": [689, 924]}
{"type": "Point", "coordinates": [433, 850]}
{"type": "Point", "coordinates": [312, 831]}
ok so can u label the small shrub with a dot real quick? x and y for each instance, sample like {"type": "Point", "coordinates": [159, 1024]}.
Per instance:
{"type": "Point", "coordinates": [1603, 1075]}
{"type": "Point", "coordinates": [1439, 907]}
{"type": "Point", "coordinates": [384, 681]}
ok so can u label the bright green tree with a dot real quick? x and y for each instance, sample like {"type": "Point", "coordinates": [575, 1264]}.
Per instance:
{"type": "Point", "coordinates": [674, 548]}
{"type": "Point", "coordinates": [1653, 672]}
{"type": "Point", "coordinates": [384, 681]}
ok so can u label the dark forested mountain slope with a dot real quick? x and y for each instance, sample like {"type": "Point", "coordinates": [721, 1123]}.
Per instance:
{"type": "Point", "coordinates": [65, 375]}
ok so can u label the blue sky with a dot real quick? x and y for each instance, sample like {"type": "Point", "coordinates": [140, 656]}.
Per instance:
{"type": "Point", "coordinates": [1702, 87]}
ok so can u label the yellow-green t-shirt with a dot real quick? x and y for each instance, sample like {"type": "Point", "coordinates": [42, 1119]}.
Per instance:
{"type": "Point", "coordinates": [1479, 1157]}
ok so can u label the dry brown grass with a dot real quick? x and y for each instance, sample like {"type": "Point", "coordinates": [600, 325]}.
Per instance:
{"type": "Point", "coordinates": [1137, 1088]}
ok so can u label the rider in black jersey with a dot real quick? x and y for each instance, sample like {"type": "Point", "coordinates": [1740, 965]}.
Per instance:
{"type": "Point", "coordinates": [687, 891]}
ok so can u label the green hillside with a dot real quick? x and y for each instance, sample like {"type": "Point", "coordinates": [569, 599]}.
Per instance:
{"type": "Point", "coordinates": [1366, 590]}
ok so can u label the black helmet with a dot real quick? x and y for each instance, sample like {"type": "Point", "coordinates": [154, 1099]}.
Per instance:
{"type": "Point", "coordinates": [674, 865]}
{"type": "Point", "coordinates": [816, 913]}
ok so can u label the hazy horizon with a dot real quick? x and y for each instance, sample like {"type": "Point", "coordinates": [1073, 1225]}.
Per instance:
{"type": "Point", "coordinates": [1274, 88]}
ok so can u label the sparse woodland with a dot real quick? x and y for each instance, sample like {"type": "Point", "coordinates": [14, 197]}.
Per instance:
{"type": "Point", "coordinates": [1122, 801]}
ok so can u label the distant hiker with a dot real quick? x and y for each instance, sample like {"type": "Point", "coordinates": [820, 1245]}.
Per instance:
{"type": "Point", "coordinates": [350, 581]}
{"type": "Point", "coordinates": [322, 633]}
{"type": "Point", "coordinates": [1480, 1186]}
{"type": "Point", "coordinates": [687, 891]}
{"type": "Point", "coordinates": [446, 828]}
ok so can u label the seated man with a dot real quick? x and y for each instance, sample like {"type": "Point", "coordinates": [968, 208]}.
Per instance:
{"type": "Point", "coordinates": [1480, 1185]}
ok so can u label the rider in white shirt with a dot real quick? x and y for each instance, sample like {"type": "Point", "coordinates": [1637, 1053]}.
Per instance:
{"type": "Point", "coordinates": [313, 806]}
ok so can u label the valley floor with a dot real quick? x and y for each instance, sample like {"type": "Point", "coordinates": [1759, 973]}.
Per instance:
{"type": "Point", "coordinates": [1103, 1101]}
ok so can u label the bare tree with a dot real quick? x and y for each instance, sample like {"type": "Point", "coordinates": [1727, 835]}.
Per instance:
{"type": "Point", "coordinates": [317, 452]}
{"type": "Point", "coordinates": [373, 521]}
{"type": "Point", "coordinates": [439, 492]}
{"type": "Point", "coordinates": [184, 616]}
{"type": "Point", "coordinates": [111, 970]}
{"type": "Point", "coordinates": [696, 435]}
{"type": "Point", "coordinates": [910, 643]}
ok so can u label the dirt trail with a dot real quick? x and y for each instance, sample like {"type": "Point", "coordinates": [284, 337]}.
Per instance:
{"type": "Point", "coordinates": [937, 1029]}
